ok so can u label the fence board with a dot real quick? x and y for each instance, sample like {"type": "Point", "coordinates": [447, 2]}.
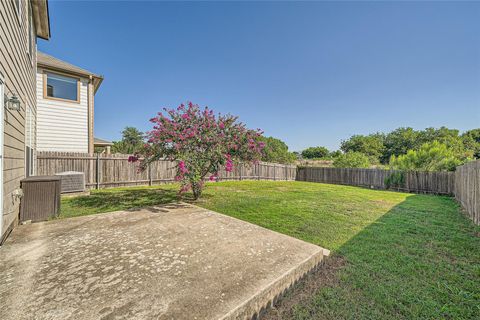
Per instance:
{"type": "Point", "coordinates": [467, 189]}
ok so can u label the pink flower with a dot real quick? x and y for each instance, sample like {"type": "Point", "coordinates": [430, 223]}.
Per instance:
{"type": "Point", "coordinates": [221, 125]}
{"type": "Point", "coordinates": [182, 168]}
{"type": "Point", "coordinates": [213, 178]}
{"type": "Point", "coordinates": [229, 163]}
{"type": "Point", "coordinates": [132, 159]}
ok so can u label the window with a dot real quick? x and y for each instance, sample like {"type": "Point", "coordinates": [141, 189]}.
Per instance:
{"type": "Point", "coordinates": [61, 87]}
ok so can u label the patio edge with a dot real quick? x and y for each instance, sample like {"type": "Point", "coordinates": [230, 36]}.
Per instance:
{"type": "Point", "coordinates": [255, 306]}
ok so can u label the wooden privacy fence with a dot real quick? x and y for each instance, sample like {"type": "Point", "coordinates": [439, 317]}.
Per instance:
{"type": "Point", "coordinates": [107, 171]}
{"type": "Point", "coordinates": [418, 182]}
{"type": "Point", "coordinates": [467, 189]}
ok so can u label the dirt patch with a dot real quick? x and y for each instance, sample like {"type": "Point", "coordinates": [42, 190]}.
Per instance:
{"type": "Point", "coordinates": [301, 293]}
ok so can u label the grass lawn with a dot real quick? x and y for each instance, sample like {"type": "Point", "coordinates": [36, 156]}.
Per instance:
{"type": "Point", "coordinates": [395, 255]}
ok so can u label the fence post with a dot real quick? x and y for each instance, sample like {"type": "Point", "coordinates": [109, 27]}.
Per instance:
{"type": "Point", "coordinates": [149, 173]}
{"type": "Point", "coordinates": [97, 173]}
{"type": "Point", "coordinates": [240, 169]}
{"type": "Point", "coordinates": [274, 173]}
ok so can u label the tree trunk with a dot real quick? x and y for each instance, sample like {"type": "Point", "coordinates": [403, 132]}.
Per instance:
{"type": "Point", "coordinates": [197, 190]}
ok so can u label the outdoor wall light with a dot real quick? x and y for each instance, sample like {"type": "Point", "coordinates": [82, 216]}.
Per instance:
{"type": "Point", "coordinates": [13, 103]}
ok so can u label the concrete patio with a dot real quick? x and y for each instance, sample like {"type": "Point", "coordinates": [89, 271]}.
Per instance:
{"type": "Point", "coordinates": [172, 262]}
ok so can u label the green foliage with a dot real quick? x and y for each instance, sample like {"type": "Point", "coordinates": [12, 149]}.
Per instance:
{"type": "Point", "coordinates": [401, 140]}
{"type": "Point", "coordinates": [99, 149]}
{"type": "Point", "coordinates": [431, 156]}
{"type": "Point", "coordinates": [335, 154]}
{"type": "Point", "coordinates": [381, 147]}
{"type": "Point", "coordinates": [275, 150]}
{"type": "Point", "coordinates": [132, 141]}
{"type": "Point", "coordinates": [352, 160]}
{"type": "Point", "coordinates": [471, 141]}
{"type": "Point", "coordinates": [474, 134]}
{"type": "Point", "coordinates": [395, 180]}
{"type": "Point", "coordinates": [398, 142]}
{"type": "Point", "coordinates": [315, 152]}
{"type": "Point", "coordinates": [371, 145]}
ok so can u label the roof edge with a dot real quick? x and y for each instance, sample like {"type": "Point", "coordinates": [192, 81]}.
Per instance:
{"type": "Point", "coordinates": [41, 18]}
{"type": "Point", "coordinates": [64, 70]}
{"type": "Point", "coordinates": [97, 80]}
{"type": "Point", "coordinates": [53, 64]}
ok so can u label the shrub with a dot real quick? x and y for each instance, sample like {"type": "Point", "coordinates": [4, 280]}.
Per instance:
{"type": "Point", "coordinates": [395, 180]}
{"type": "Point", "coordinates": [431, 156]}
{"type": "Point", "coordinates": [315, 152]}
{"type": "Point", "coordinates": [352, 160]}
{"type": "Point", "coordinates": [201, 143]}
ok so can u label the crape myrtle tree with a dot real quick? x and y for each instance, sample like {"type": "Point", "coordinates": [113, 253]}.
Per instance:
{"type": "Point", "coordinates": [201, 143]}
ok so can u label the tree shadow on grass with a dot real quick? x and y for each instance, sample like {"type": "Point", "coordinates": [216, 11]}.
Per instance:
{"type": "Point", "coordinates": [126, 198]}
{"type": "Point", "coordinates": [420, 260]}
{"type": "Point", "coordinates": [123, 199]}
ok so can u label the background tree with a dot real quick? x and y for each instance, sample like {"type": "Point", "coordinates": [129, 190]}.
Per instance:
{"type": "Point", "coordinates": [276, 150]}
{"type": "Point", "coordinates": [315, 152]}
{"type": "Point", "coordinates": [471, 141]}
{"type": "Point", "coordinates": [399, 141]}
{"type": "Point", "coordinates": [352, 159]}
{"type": "Point", "coordinates": [444, 135]}
{"type": "Point", "coordinates": [431, 156]}
{"type": "Point", "coordinates": [371, 145]}
{"type": "Point", "coordinates": [132, 141]}
{"type": "Point", "coordinates": [379, 146]}
{"type": "Point", "coordinates": [201, 143]}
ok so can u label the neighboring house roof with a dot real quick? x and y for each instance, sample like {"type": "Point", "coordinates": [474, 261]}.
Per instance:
{"type": "Point", "coordinates": [46, 60]}
{"type": "Point", "coordinates": [41, 18]}
{"type": "Point", "coordinates": [101, 143]}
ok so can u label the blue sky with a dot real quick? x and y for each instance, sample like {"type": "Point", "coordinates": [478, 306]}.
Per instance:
{"type": "Point", "coordinates": [307, 73]}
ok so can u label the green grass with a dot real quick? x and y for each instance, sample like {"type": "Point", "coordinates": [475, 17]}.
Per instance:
{"type": "Point", "coordinates": [407, 256]}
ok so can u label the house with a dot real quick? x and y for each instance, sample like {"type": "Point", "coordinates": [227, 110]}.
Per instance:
{"type": "Point", "coordinates": [21, 21]}
{"type": "Point", "coordinates": [102, 146]}
{"type": "Point", "coordinates": [65, 105]}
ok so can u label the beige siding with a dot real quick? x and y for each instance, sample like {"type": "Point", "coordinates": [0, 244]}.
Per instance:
{"type": "Point", "coordinates": [18, 70]}
{"type": "Point", "coordinates": [62, 125]}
